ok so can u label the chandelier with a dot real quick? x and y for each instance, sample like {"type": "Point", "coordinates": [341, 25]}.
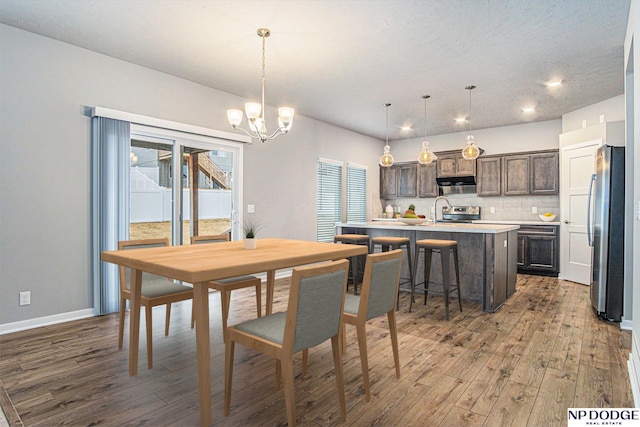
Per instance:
{"type": "Point", "coordinates": [426, 156]}
{"type": "Point", "coordinates": [255, 111]}
{"type": "Point", "coordinates": [471, 150]}
{"type": "Point", "coordinates": [386, 159]}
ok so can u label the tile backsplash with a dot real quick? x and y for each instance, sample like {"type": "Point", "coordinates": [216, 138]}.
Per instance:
{"type": "Point", "coordinates": [512, 208]}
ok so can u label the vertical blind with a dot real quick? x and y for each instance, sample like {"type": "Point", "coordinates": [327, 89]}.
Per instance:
{"type": "Point", "coordinates": [111, 145]}
{"type": "Point", "coordinates": [356, 193]}
{"type": "Point", "coordinates": [329, 198]}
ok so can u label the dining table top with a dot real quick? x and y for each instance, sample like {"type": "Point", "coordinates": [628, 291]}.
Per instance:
{"type": "Point", "coordinates": [211, 261]}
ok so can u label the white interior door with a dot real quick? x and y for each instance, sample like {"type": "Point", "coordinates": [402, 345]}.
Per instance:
{"type": "Point", "coordinates": [577, 165]}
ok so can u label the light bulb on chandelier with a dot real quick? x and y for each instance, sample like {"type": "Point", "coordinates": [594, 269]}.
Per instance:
{"type": "Point", "coordinates": [386, 159]}
{"type": "Point", "coordinates": [255, 111]}
{"type": "Point", "coordinates": [471, 150]}
{"type": "Point", "coordinates": [426, 156]}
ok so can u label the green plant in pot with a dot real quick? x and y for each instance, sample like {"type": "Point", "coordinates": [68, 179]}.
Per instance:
{"type": "Point", "coordinates": [250, 228]}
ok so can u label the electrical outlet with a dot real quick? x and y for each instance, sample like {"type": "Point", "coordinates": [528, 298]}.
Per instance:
{"type": "Point", "coordinates": [534, 209]}
{"type": "Point", "coordinates": [251, 208]}
{"type": "Point", "coordinates": [25, 298]}
{"type": "Point", "coordinates": [492, 209]}
{"type": "Point", "coordinates": [505, 243]}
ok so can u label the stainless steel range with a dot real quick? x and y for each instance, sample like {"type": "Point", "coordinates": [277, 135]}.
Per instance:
{"type": "Point", "coordinates": [464, 214]}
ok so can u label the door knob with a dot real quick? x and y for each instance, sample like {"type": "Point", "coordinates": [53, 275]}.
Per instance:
{"type": "Point", "coordinates": [566, 221]}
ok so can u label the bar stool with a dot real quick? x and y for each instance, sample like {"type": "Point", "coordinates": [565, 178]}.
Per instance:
{"type": "Point", "coordinates": [444, 247]}
{"type": "Point", "coordinates": [387, 243]}
{"type": "Point", "coordinates": [354, 239]}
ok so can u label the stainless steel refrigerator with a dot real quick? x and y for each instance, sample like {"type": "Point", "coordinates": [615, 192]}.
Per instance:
{"type": "Point", "coordinates": [605, 231]}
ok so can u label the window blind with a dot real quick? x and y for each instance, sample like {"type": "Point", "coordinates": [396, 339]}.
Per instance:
{"type": "Point", "coordinates": [329, 201]}
{"type": "Point", "coordinates": [356, 193]}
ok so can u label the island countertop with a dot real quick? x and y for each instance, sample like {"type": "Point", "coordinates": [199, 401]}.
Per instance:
{"type": "Point", "coordinates": [451, 227]}
{"type": "Point", "coordinates": [487, 255]}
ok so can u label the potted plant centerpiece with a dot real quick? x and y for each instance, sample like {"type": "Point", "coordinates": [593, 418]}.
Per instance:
{"type": "Point", "coordinates": [250, 230]}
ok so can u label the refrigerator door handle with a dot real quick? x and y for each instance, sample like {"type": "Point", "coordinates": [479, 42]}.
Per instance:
{"type": "Point", "coordinates": [589, 225]}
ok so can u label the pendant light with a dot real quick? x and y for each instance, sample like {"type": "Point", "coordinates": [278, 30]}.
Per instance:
{"type": "Point", "coordinates": [255, 111]}
{"type": "Point", "coordinates": [471, 150]}
{"type": "Point", "coordinates": [386, 159]}
{"type": "Point", "coordinates": [426, 156]}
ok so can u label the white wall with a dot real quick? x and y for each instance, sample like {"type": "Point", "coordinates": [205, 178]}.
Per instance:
{"type": "Point", "coordinates": [47, 87]}
{"type": "Point", "coordinates": [506, 139]}
{"type": "Point", "coordinates": [610, 110]}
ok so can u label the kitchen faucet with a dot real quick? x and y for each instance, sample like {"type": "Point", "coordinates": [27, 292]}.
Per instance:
{"type": "Point", "coordinates": [435, 204]}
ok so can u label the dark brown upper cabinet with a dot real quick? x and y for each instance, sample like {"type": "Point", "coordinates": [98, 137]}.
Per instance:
{"type": "Point", "coordinates": [399, 180]}
{"type": "Point", "coordinates": [522, 174]}
{"type": "Point", "coordinates": [427, 185]}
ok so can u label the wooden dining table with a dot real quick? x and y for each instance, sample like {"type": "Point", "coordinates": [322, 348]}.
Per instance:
{"type": "Point", "coordinates": [199, 264]}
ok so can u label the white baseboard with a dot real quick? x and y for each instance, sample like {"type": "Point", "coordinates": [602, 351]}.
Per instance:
{"type": "Point", "coordinates": [7, 328]}
{"type": "Point", "coordinates": [626, 325]}
{"type": "Point", "coordinates": [633, 365]}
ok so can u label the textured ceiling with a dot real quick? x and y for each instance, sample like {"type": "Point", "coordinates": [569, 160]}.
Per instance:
{"type": "Point", "coordinates": [340, 61]}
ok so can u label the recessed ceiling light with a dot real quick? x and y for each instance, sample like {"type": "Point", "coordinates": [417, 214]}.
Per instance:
{"type": "Point", "coordinates": [461, 120]}
{"type": "Point", "coordinates": [528, 110]}
{"type": "Point", "coordinates": [405, 128]}
{"type": "Point", "coordinates": [554, 83]}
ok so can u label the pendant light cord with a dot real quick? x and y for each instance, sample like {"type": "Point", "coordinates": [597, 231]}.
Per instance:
{"type": "Point", "coordinates": [387, 107]}
{"type": "Point", "coordinates": [470, 88]}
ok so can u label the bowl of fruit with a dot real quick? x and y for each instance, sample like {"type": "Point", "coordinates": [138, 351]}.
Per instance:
{"type": "Point", "coordinates": [547, 217]}
{"type": "Point", "coordinates": [410, 217]}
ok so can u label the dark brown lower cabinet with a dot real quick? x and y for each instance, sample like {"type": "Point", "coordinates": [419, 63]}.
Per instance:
{"type": "Point", "coordinates": [538, 250]}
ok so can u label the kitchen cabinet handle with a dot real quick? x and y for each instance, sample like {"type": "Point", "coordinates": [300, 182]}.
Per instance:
{"type": "Point", "coordinates": [566, 221]}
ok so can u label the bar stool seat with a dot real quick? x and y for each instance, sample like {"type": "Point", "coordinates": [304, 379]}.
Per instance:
{"type": "Point", "coordinates": [354, 239]}
{"type": "Point", "coordinates": [444, 247]}
{"type": "Point", "coordinates": [388, 243]}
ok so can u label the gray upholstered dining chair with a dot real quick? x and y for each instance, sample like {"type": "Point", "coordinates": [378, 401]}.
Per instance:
{"type": "Point", "coordinates": [377, 297]}
{"type": "Point", "coordinates": [225, 286]}
{"type": "Point", "coordinates": [314, 315]}
{"type": "Point", "coordinates": [156, 290]}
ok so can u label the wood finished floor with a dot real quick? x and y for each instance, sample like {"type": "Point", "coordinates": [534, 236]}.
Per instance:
{"type": "Point", "coordinates": [543, 352]}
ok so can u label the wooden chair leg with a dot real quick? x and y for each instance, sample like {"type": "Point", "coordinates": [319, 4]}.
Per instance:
{"type": "Point", "coordinates": [364, 361]}
{"type": "Point", "coordinates": [224, 301]}
{"type": "Point", "coordinates": [278, 373]}
{"type": "Point", "coordinates": [149, 315]}
{"type": "Point", "coordinates": [344, 338]}
{"type": "Point", "coordinates": [259, 298]}
{"type": "Point", "coordinates": [123, 304]}
{"type": "Point", "coordinates": [337, 365]}
{"type": "Point", "coordinates": [393, 332]}
{"type": "Point", "coordinates": [167, 320]}
{"type": "Point", "coordinates": [289, 397]}
{"type": "Point", "coordinates": [228, 375]}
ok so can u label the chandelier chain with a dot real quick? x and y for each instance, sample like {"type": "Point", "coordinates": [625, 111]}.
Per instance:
{"type": "Point", "coordinates": [264, 36]}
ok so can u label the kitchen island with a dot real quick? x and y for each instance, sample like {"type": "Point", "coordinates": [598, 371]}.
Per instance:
{"type": "Point", "coordinates": [487, 255]}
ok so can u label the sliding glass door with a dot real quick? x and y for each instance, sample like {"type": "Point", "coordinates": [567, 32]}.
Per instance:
{"type": "Point", "coordinates": [182, 185]}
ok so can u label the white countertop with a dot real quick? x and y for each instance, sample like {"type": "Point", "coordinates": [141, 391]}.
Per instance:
{"type": "Point", "coordinates": [440, 226]}
{"type": "Point", "coordinates": [488, 221]}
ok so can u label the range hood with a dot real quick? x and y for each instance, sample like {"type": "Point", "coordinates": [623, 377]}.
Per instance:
{"type": "Point", "coordinates": [456, 185]}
